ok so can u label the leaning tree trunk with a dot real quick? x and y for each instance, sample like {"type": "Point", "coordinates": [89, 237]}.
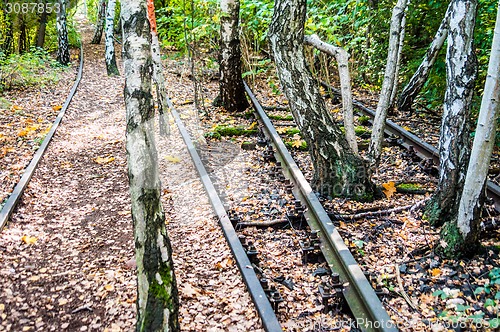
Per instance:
{"type": "Point", "coordinates": [401, 43]}
{"type": "Point", "coordinates": [62, 34]}
{"type": "Point", "coordinates": [157, 300]}
{"type": "Point", "coordinates": [461, 235]}
{"type": "Point", "coordinates": [419, 78]}
{"type": "Point", "coordinates": [158, 77]}
{"type": "Point", "coordinates": [375, 149]}
{"type": "Point", "coordinates": [342, 58]}
{"type": "Point", "coordinates": [232, 91]}
{"type": "Point", "coordinates": [337, 170]}
{"type": "Point", "coordinates": [461, 72]}
{"type": "Point", "coordinates": [101, 16]}
{"type": "Point", "coordinates": [111, 66]}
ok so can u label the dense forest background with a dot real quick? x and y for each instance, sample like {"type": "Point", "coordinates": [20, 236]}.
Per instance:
{"type": "Point", "coordinates": [361, 27]}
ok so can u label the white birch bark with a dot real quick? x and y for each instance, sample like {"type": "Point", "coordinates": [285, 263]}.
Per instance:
{"type": "Point", "coordinates": [157, 301]}
{"type": "Point", "coordinates": [377, 137]}
{"type": "Point", "coordinates": [62, 34]}
{"type": "Point", "coordinates": [420, 76]}
{"type": "Point", "coordinates": [398, 61]}
{"type": "Point", "coordinates": [158, 76]}
{"type": "Point", "coordinates": [111, 66]}
{"type": "Point", "coordinates": [484, 140]}
{"type": "Point", "coordinates": [342, 58]}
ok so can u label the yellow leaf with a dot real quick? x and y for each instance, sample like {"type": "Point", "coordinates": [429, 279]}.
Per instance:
{"type": "Point", "coordinates": [297, 144]}
{"type": "Point", "coordinates": [389, 189]}
{"type": "Point", "coordinates": [435, 272]}
{"type": "Point", "coordinates": [172, 159]}
{"type": "Point", "coordinates": [109, 287]}
{"type": "Point", "coordinates": [28, 239]}
{"type": "Point", "coordinates": [62, 301]}
{"type": "Point", "coordinates": [16, 108]}
{"type": "Point", "coordinates": [27, 130]}
{"type": "Point", "coordinates": [253, 125]}
{"type": "Point", "coordinates": [102, 161]}
{"type": "Point", "coordinates": [282, 130]}
{"type": "Point", "coordinates": [57, 107]}
{"type": "Point", "coordinates": [406, 128]}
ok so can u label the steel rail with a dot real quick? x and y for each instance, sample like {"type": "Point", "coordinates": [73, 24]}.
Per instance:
{"type": "Point", "coordinates": [18, 191]}
{"type": "Point", "coordinates": [268, 317]}
{"type": "Point", "coordinates": [363, 302]}
{"type": "Point", "coordinates": [423, 149]}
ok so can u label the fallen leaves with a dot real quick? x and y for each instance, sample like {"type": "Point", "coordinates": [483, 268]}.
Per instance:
{"type": "Point", "coordinates": [172, 159]}
{"type": "Point", "coordinates": [29, 239]}
{"type": "Point", "coordinates": [389, 189]}
{"type": "Point", "coordinates": [104, 160]}
{"type": "Point", "coordinates": [189, 290]}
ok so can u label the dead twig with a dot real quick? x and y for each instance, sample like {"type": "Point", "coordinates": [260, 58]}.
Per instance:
{"type": "Point", "coordinates": [402, 290]}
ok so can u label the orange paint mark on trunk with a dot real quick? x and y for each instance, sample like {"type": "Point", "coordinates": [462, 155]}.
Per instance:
{"type": "Point", "coordinates": [152, 16]}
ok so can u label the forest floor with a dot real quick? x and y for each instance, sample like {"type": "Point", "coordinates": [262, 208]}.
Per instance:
{"type": "Point", "coordinates": [66, 256]}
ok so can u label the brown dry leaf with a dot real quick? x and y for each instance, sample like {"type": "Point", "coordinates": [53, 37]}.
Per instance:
{"type": "Point", "coordinates": [28, 239]}
{"type": "Point", "coordinates": [389, 189]}
{"type": "Point", "coordinates": [103, 161]}
{"type": "Point", "coordinates": [57, 107]}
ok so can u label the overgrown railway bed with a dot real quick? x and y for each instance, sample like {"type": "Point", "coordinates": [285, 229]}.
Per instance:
{"type": "Point", "coordinates": [405, 273]}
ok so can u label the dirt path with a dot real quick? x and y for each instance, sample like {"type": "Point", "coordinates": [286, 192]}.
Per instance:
{"type": "Point", "coordinates": [66, 256]}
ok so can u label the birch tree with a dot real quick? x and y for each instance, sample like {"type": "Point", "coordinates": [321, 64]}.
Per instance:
{"type": "Point", "coordinates": [111, 66]}
{"type": "Point", "coordinates": [454, 150]}
{"type": "Point", "coordinates": [338, 171]}
{"type": "Point", "coordinates": [461, 235]}
{"type": "Point", "coordinates": [62, 34]}
{"type": "Point", "coordinates": [157, 300]}
{"type": "Point", "coordinates": [377, 137]}
{"type": "Point", "coordinates": [101, 16]}
{"type": "Point", "coordinates": [420, 76]}
{"type": "Point", "coordinates": [232, 91]}
{"type": "Point", "coordinates": [158, 76]}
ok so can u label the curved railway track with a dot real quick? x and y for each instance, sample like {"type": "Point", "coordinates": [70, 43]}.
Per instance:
{"type": "Point", "coordinates": [364, 304]}
{"type": "Point", "coordinates": [17, 193]}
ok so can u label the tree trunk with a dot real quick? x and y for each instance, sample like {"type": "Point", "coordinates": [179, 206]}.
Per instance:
{"type": "Point", "coordinates": [157, 300]}
{"type": "Point", "coordinates": [337, 170]}
{"type": "Point", "coordinates": [62, 34]}
{"type": "Point", "coordinates": [342, 58]}
{"type": "Point", "coordinates": [40, 35]}
{"type": "Point", "coordinates": [23, 35]}
{"type": "Point", "coordinates": [232, 91]}
{"type": "Point", "coordinates": [111, 66]}
{"type": "Point", "coordinates": [462, 234]}
{"type": "Point", "coordinates": [377, 137]}
{"type": "Point", "coordinates": [461, 72]}
{"type": "Point", "coordinates": [398, 59]}
{"type": "Point", "coordinates": [101, 16]}
{"type": "Point", "coordinates": [418, 79]}
{"type": "Point", "coordinates": [158, 77]}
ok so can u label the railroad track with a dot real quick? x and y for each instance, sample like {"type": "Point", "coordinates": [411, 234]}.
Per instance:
{"type": "Point", "coordinates": [347, 282]}
{"type": "Point", "coordinates": [423, 149]}
{"type": "Point", "coordinates": [18, 191]}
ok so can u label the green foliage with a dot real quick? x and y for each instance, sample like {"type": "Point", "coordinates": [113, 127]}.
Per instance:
{"type": "Point", "coordinates": [182, 22]}
{"type": "Point", "coordinates": [30, 68]}
{"type": "Point", "coordinates": [224, 130]}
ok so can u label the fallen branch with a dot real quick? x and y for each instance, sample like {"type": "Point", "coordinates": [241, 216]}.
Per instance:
{"type": "Point", "coordinates": [358, 216]}
{"type": "Point", "coordinates": [402, 290]}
